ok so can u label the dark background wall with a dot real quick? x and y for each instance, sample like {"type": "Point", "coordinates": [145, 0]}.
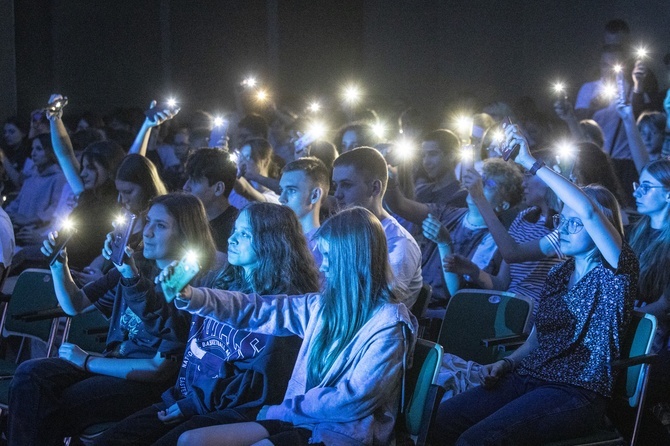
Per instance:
{"type": "Point", "coordinates": [104, 54]}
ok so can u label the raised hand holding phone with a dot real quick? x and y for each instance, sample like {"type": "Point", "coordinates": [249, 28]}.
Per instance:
{"type": "Point", "coordinates": [123, 228]}
{"type": "Point", "coordinates": [175, 277]}
{"type": "Point", "coordinates": [509, 150]}
{"type": "Point", "coordinates": [60, 240]}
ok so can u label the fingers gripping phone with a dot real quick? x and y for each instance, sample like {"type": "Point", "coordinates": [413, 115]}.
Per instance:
{"type": "Point", "coordinates": [57, 105]}
{"type": "Point", "coordinates": [507, 151]}
{"type": "Point", "coordinates": [159, 108]}
{"type": "Point", "coordinates": [123, 228]}
{"type": "Point", "coordinates": [64, 236]}
{"type": "Point", "coordinates": [187, 268]}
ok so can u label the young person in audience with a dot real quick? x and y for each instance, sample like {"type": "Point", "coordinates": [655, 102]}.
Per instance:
{"type": "Point", "coordinates": [356, 134]}
{"type": "Point", "coordinates": [440, 153]}
{"type": "Point", "coordinates": [39, 195]}
{"type": "Point", "coordinates": [466, 230]}
{"type": "Point", "coordinates": [7, 242]}
{"type": "Point", "coordinates": [14, 151]}
{"type": "Point", "coordinates": [556, 385]}
{"type": "Point", "coordinates": [305, 183]}
{"type": "Point", "coordinates": [346, 383]}
{"type": "Point", "coordinates": [256, 161]}
{"type": "Point", "coordinates": [211, 177]}
{"type": "Point", "coordinates": [360, 177]}
{"type": "Point", "coordinates": [227, 374]}
{"type": "Point", "coordinates": [56, 397]}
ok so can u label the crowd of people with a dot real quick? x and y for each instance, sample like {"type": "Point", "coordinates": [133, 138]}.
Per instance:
{"type": "Point", "coordinates": [313, 246]}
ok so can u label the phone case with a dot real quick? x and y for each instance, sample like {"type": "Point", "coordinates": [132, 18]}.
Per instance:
{"type": "Point", "coordinates": [61, 241]}
{"type": "Point", "coordinates": [57, 105]}
{"type": "Point", "coordinates": [507, 151]}
{"type": "Point", "coordinates": [120, 237]}
{"type": "Point", "coordinates": [183, 273]}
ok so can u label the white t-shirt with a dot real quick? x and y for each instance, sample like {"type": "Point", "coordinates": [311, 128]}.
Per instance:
{"type": "Point", "coordinates": [7, 243]}
{"type": "Point", "coordinates": [405, 260]}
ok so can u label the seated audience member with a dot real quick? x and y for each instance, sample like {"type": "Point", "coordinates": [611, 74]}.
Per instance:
{"type": "Point", "coordinates": [14, 151]}
{"type": "Point", "coordinates": [256, 164]}
{"type": "Point", "coordinates": [305, 184]}
{"type": "Point", "coordinates": [356, 341]}
{"type": "Point", "coordinates": [651, 126]}
{"type": "Point", "coordinates": [650, 239]}
{"type": "Point", "coordinates": [440, 153]}
{"type": "Point", "coordinates": [56, 397]}
{"type": "Point", "coordinates": [38, 198]}
{"type": "Point", "coordinates": [465, 233]}
{"type": "Point", "coordinates": [557, 384]}
{"type": "Point", "coordinates": [535, 222]}
{"type": "Point", "coordinates": [592, 166]}
{"type": "Point", "coordinates": [360, 177]}
{"type": "Point", "coordinates": [211, 176]}
{"type": "Point", "coordinates": [227, 374]}
{"type": "Point", "coordinates": [356, 134]}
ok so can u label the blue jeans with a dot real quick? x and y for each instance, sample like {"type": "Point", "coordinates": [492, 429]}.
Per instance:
{"type": "Point", "coordinates": [144, 427]}
{"type": "Point", "coordinates": [519, 410]}
{"type": "Point", "coordinates": [51, 398]}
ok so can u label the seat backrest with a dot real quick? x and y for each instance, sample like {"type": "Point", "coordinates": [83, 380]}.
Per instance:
{"type": "Point", "coordinates": [422, 300]}
{"type": "Point", "coordinates": [34, 291]}
{"type": "Point", "coordinates": [637, 342]}
{"type": "Point", "coordinates": [425, 368]}
{"type": "Point", "coordinates": [89, 331]}
{"type": "Point", "coordinates": [473, 315]}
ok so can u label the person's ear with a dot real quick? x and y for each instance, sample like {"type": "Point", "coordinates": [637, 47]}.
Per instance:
{"type": "Point", "coordinates": [377, 187]}
{"type": "Point", "coordinates": [219, 188]}
{"type": "Point", "coordinates": [315, 196]}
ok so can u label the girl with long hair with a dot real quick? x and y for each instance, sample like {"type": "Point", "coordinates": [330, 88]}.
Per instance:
{"type": "Point", "coordinates": [56, 397]}
{"type": "Point", "coordinates": [345, 386]}
{"type": "Point", "coordinates": [228, 374]}
{"type": "Point", "coordinates": [556, 385]}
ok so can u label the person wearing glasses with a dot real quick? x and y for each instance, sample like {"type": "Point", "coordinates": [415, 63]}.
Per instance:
{"type": "Point", "coordinates": [556, 385]}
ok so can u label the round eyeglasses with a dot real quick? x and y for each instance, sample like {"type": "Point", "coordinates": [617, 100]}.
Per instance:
{"type": "Point", "coordinates": [573, 225]}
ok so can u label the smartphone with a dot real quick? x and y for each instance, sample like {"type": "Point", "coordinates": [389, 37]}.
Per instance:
{"type": "Point", "coordinates": [122, 230]}
{"type": "Point", "coordinates": [305, 140]}
{"type": "Point", "coordinates": [160, 107]}
{"type": "Point", "coordinates": [217, 137]}
{"type": "Point", "coordinates": [507, 151]}
{"type": "Point", "coordinates": [467, 158]}
{"type": "Point", "coordinates": [57, 105]}
{"type": "Point", "coordinates": [187, 268]}
{"type": "Point", "coordinates": [620, 87]}
{"type": "Point", "coordinates": [64, 236]}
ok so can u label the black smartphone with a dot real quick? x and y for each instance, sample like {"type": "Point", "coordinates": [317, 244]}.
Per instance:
{"type": "Point", "coordinates": [123, 228]}
{"type": "Point", "coordinates": [187, 268]}
{"type": "Point", "coordinates": [64, 236]}
{"type": "Point", "coordinates": [171, 106]}
{"type": "Point", "coordinates": [507, 151]}
{"type": "Point", "coordinates": [57, 105]}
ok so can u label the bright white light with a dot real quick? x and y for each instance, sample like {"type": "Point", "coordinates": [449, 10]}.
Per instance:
{"type": "Point", "coordinates": [565, 149]}
{"type": "Point", "coordinates": [559, 88]}
{"type": "Point", "coordinates": [218, 121]}
{"type": "Point", "coordinates": [67, 224]}
{"type": "Point", "coordinates": [379, 129]}
{"type": "Point", "coordinates": [317, 130]}
{"type": "Point", "coordinates": [609, 91]}
{"type": "Point", "coordinates": [498, 136]}
{"type": "Point", "coordinates": [352, 94]}
{"type": "Point", "coordinates": [249, 82]}
{"type": "Point", "coordinates": [191, 257]}
{"type": "Point", "coordinates": [464, 125]}
{"type": "Point", "coordinates": [120, 220]}
{"type": "Point", "coordinates": [172, 102]}
{"type": "Point", "coordinates": [314, 106]}
{"type": "Point", "coordinates": [467, 153]}
{"type": "Point", "coordinates": [618, 68]}
{"type": "Point", "coordinates": [641, 52]}
{"type": "Point", "coordinates": [405, 148]}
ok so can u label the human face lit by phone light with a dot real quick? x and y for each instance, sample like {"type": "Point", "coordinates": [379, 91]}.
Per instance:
{"type": "Point", "coordinates": [241, 244]}
{"type": "Point", "coordinates": [574, 239]}
{"type": "Point", "coordinates": [160, 236]}
{"type": "Point", "coordinates": [131, 195]}
{"type": "Point", "coordinates": [651, 198]}
{"type": "Point", "coordinates": [296, 192]}
{"type": "Point", "coordinates": [93, 174]}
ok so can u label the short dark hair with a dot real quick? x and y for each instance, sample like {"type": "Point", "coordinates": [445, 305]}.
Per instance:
{"type": "Point", "coordinates": [366, 160]}
{"type": "Point", "coordinates": [256, 124]}
{"type": "Point", "coordinates": [213, 164]}
{"type": "Point", "coordinates": [447, 141]}
{"type": "Point", "coordinates": [314, 168]}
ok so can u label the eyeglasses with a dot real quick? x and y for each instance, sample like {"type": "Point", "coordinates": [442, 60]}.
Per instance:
{"type": "Point", "coordinates": [644, 188]}
{"type": "Point", "coordinates": [488, 182]}
{"type": "Point", "coordinates": [573, 225]}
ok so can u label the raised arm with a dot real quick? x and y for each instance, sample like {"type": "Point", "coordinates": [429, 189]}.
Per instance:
{"type": "Point", "coordinates": [603, 233]}
{"type": "Point", "coordinates": [637, 149]}
{"type": "Point", "coordinates": [435, 231]}
{"type": "Point", "coordinates": [142, 138]}
{"type": "Point", "coordinates": [60, 140]}
{"type": "Point", "coordinates": [399, 204]}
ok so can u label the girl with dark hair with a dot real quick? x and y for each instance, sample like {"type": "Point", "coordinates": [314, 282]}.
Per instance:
{"type": "Point", "coordinates": [56, 397]}
{"type": "Point", "coordinates": [345, 385]}
{"type": "Point", "coordinates": [38, 198]}
{"type": "Point", "coordinates": [228, 374]}
{"type": "Point", "coordinates": [14, 151]}
{"type": "Point", "coordinates": [556, 385]}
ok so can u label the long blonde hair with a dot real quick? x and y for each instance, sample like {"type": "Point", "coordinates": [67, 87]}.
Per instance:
{"type": "Point", "coordinates": [359, 279]}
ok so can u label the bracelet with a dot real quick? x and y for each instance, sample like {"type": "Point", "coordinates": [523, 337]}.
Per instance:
{"type": "Point", "coordinates": [510, 363]}
{"type": "Point", "coordinates": [88, 356]}
{"type": "Point", "coordinates": [539, 164]}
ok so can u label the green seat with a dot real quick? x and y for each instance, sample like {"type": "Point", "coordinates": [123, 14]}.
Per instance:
{"type": "Point", "coordinates": [476, 319]}
{"type": "Point", "coordinates": [88, 330]}
{"type": "Point", "coordinates": [422, 394]}
{"type": "Point", "coordinates": [631, 383]}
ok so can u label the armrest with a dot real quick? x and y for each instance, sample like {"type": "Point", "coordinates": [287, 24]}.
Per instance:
{"type": "Point", "coordinates": [96, 330]}
{"type": "Point", "coordinates": [41, 315]}
{"type": "Point", "coordinates": [635, 360]}
{"type": "Point", "coordinates": [505, 340]}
